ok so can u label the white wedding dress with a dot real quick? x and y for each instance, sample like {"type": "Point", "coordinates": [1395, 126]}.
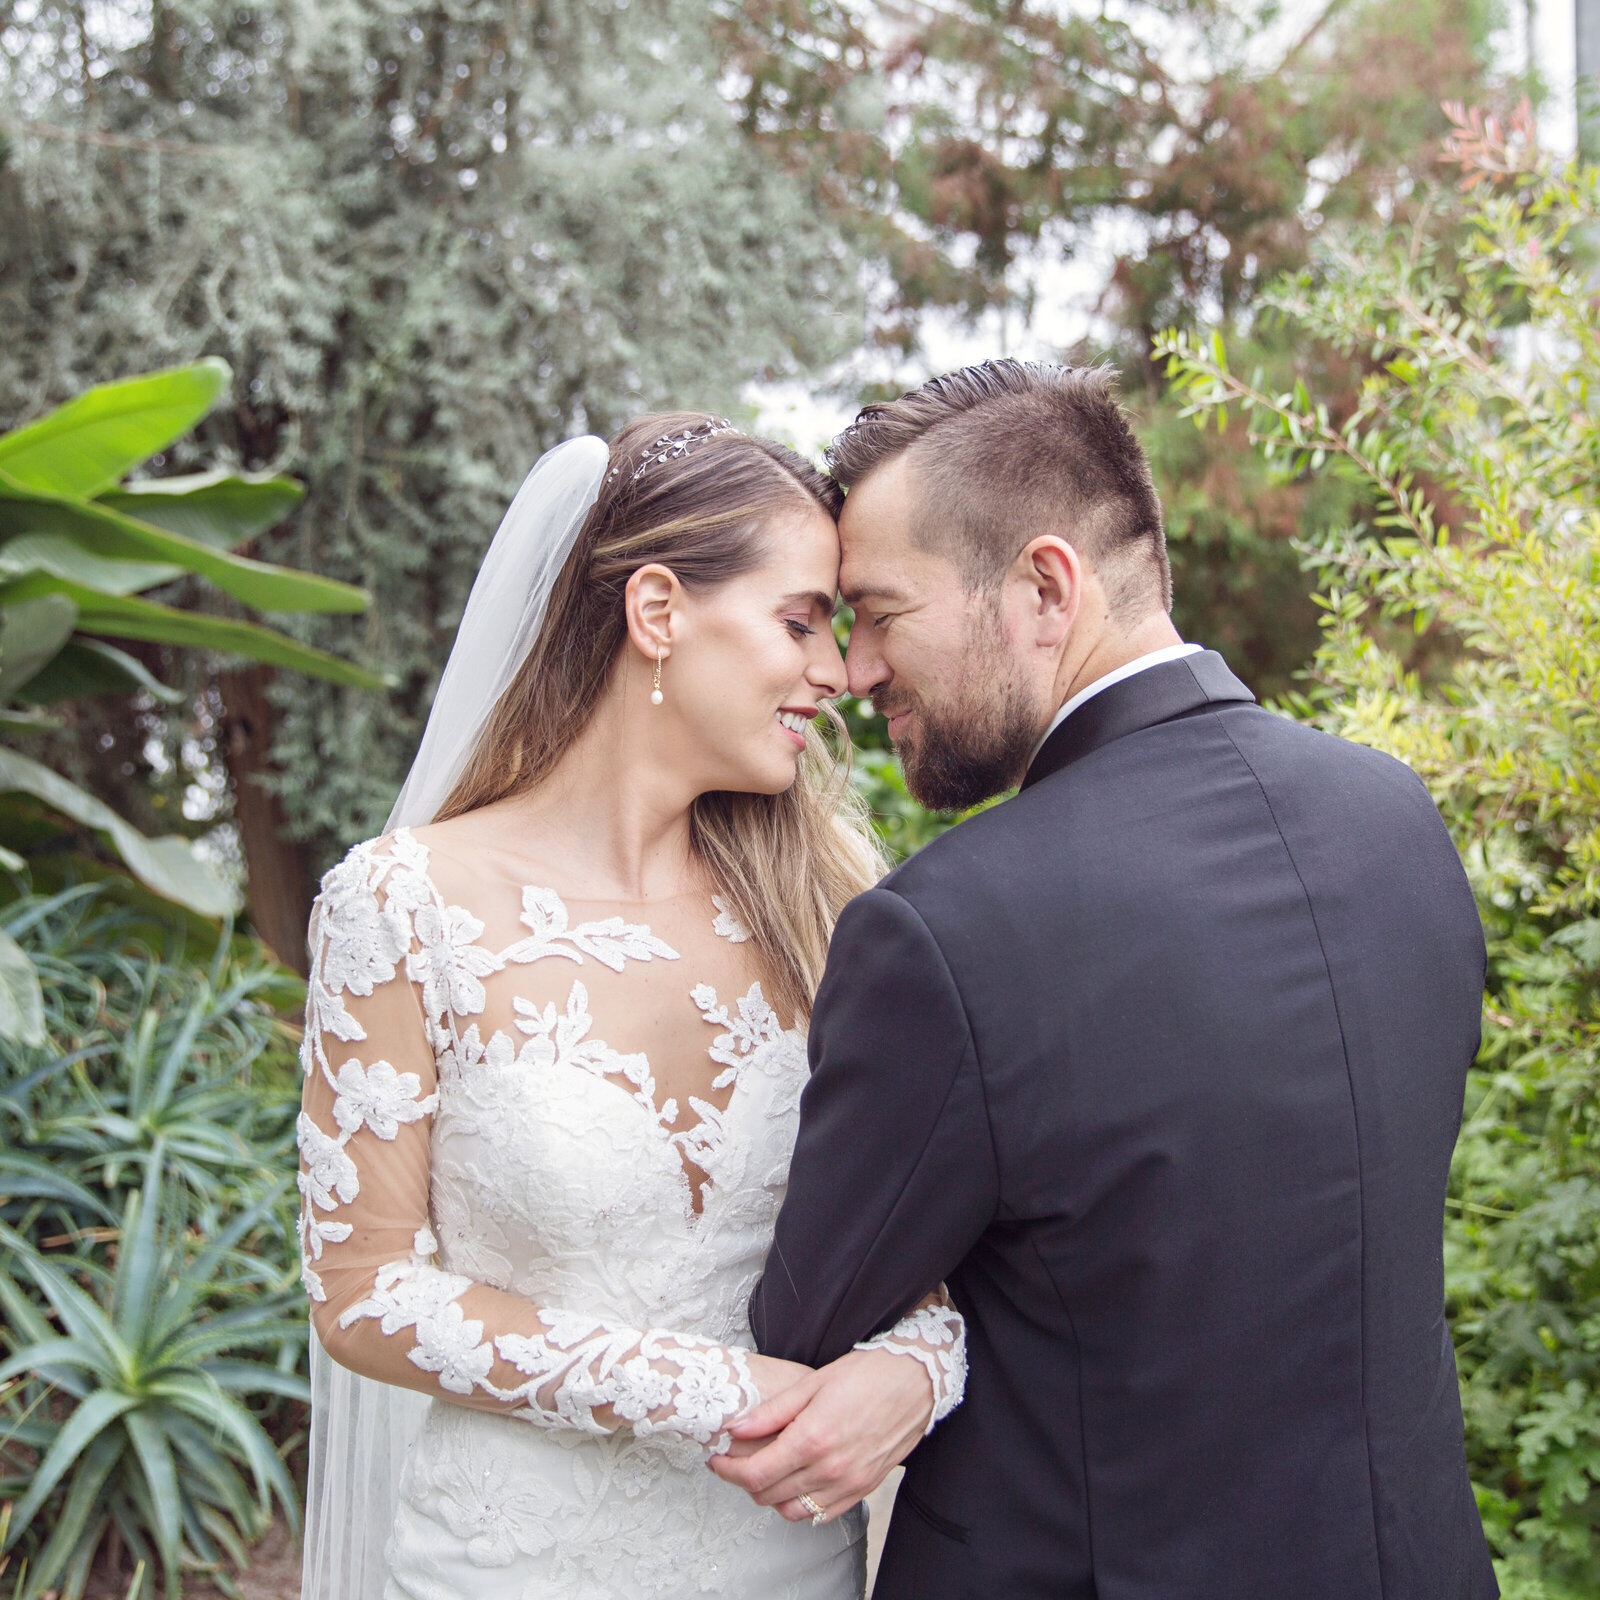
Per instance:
{"type": "Point", "coordinates": [543, 1146]}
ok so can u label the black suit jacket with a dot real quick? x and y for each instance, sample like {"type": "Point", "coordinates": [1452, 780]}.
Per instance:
{"type": "Point", "coordinates": [1159, 1065]}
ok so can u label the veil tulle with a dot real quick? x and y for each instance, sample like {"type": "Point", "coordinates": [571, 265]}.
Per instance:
{"type": "Point", "coordinates": [361, 1429]}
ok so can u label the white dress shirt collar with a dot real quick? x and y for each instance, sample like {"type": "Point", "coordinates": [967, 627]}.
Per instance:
{"type": "Point", "coordinates": [1172, 652]}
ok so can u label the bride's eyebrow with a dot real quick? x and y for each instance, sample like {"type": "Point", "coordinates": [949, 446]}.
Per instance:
{"type": "Point", "coordinates": [809, 597]}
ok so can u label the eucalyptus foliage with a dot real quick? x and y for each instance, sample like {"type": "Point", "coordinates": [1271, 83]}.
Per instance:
{"type": "Point", "coordinates": [152, 1325]}
{"type": "Point", "coordinates": [1462, 634]}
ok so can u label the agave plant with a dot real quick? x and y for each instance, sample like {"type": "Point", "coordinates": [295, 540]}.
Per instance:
{"type": "Point", "coordinates": [142, 1045]}
{"type": "Point", "coordinates": [154, 1123]}
{"type": "Point", "coordinates": [80, 547]}
{"type": "Point", "coordinates": [126, 1406]}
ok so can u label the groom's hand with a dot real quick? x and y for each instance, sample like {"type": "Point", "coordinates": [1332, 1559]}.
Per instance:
{"type": "Point", "coordinates": [833, 1435]}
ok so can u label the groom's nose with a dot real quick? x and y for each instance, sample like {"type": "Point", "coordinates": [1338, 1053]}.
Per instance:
{"type": "Point", "coordinates": [864, 664]}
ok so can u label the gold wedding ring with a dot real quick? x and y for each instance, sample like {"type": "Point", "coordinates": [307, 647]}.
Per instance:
{"type": "Point", "coordinates": [818, 1515]}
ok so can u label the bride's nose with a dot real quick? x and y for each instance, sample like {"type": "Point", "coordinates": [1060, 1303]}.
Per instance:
{"type": "Point", "coordinates": [825, 670]}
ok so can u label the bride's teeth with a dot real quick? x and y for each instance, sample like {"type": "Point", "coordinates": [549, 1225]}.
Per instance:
{"type": "Point", "coordinates": [793, 721]}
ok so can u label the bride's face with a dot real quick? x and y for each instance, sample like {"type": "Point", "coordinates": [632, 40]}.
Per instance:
{"type": "Point", "coordinates": [753, 658]}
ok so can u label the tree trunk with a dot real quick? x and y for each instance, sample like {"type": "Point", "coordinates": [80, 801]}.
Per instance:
{"type": "Point", "coordinates": [279, 881]}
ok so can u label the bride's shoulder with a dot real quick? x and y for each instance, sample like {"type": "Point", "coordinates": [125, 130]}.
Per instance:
{"type": "Point", "coordinates": [373, 869]}
{"type": "Point", "coordinates": [412, 848]}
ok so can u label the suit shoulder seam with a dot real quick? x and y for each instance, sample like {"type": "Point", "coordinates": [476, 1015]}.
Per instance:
{"type": "Point", "coordinates": [1344, 1050]}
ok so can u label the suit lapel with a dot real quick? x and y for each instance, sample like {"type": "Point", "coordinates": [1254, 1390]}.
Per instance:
{"type": "Point", "coordinates": [1158, 694]}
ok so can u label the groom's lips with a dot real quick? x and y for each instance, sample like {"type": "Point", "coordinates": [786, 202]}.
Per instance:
{"type": "Point", "coordinates": [897, 721]}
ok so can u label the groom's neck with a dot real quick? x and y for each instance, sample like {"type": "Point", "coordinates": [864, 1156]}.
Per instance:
{"type": "Point", "coordinates": [1111, 647]}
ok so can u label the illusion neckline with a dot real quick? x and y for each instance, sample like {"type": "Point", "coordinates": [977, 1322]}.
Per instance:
{"type": "Point", "coordinates": [647, 1103]}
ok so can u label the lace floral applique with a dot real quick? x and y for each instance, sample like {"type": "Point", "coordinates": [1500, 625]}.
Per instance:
{"type": "Point", "coordinates": [656, 1383]}
{"type": "Point", "coordinates": [496, 1514]}
{"type": "Point", "coordinates": [410, 1294]}
{"type": "Point", "coordinates": [582, 1362]}
{"type": "Point", "coordinates": [449, 963]}
{"type": "Point", "coordinates": [563, 1040]}
{"type": "Point", "coordinates": [357, 944]}
{"type": "Point", "coordinates": [727, 924]}
{"type": "Point", "coordinates": [756, 1025]}
{"type": "Point", "coordinates": [611, 941]}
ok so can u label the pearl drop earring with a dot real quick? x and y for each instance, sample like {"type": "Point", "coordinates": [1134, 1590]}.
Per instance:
{"type": "Point", "coordinates": [656, 696]}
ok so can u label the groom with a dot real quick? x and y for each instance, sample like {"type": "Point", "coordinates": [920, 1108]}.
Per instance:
{"type": "Point", "coordinates": [1158, 1065]}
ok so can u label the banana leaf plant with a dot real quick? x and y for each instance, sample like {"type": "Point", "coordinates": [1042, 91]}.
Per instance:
{"type": "Point", "coordinates": [81, 545]}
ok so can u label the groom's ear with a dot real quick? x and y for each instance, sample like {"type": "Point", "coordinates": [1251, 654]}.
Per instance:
{"type": "Point", "coordinates": [652, 602]}
{"type": "Point", "coordinates": [1051, 574]}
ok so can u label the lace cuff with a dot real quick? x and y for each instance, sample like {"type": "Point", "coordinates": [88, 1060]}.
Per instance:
{"type": "Point", "coordinates": [582, 1373]}
{"type": "Point", "coordinates": [934, 1334]}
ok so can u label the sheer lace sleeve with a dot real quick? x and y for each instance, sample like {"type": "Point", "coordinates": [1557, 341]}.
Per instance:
{"type": "Point", "coordinates": [933, 1333]}
{"type": "Point", "coordinates": [381, 1303]}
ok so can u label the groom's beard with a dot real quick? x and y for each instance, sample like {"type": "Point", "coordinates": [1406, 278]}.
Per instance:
{"type": "Point", "coordinates": [967, 752]}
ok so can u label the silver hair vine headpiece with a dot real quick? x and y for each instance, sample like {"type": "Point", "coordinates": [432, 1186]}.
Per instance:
{"type": "Point", "coordinates": [675, 446]}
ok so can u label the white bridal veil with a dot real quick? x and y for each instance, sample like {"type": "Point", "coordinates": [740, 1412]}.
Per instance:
{"type": "Point", "coordinates": [361, 1429]}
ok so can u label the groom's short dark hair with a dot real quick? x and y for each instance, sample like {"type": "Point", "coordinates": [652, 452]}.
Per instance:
{"type": "Point", "coordinates": [1009, 450]}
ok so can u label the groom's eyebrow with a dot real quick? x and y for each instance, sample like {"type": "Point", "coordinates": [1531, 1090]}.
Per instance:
{"type": "Point", "coordinates": [854, 596]}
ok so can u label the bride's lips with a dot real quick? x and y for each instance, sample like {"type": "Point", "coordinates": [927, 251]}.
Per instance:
{"type": "Point", "coordinates": [808, 712]}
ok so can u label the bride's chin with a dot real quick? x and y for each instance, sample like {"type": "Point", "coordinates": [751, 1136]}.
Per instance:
{"type": "Point", "coordinates": [770, 782]}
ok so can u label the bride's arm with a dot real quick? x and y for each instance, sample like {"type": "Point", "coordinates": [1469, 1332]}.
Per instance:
{"type": "Point", "coordinates": [381, 1304]}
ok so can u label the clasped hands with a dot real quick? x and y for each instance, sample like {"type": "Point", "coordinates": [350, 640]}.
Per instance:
{"type": "Point", "coordinates": [832, 1434]}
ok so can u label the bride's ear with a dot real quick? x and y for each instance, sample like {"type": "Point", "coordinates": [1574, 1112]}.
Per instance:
{"type": "Point", "coordinates": [652, 602]}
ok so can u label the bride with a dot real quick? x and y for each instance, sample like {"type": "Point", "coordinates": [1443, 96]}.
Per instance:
{"type": "Point", "coordinates": [554, 1054]}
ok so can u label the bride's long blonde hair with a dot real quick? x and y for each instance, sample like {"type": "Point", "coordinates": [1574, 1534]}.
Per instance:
{"type": "Point", "coordinates": [786, 862]}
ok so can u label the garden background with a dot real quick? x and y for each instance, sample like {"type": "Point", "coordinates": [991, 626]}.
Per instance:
{"type": "Point", "coordinates": [291, 297]}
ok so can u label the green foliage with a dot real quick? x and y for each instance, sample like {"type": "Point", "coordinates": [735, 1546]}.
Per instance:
{"type": "Point", "coordinates": [152, 1317]}
{"type": "Point", "coordinates": [77, 545]}
{"type": "Point", "coordinates": [1462, 634]}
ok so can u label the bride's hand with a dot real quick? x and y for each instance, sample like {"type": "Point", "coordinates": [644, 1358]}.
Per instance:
{"type": "Point", "coordinates": [835, 1434]}
{"type": "Point", "coordinates": [773, 1376]}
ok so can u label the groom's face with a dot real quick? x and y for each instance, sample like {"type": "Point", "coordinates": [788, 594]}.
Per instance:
{"type": "Point", "coordinates": [935, 657]}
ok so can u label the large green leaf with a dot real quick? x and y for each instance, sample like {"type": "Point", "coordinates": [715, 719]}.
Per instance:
{"type": "Point", "coordinates": [168, 865]}
{"type": "Point", "coordinates": [21, 998]}
{"type": "Point", "coordinates": [49, 1357]}
{"type": "Point", "coordinates": [222, 509]}
{"type": "Point", "coordinates": [161, 1477]}
{"type": "Point", "coordinates": [22, 1175]}
{"type": "Point", "coordinates": [126, 617]}
{"type": "Point", "coordinates": [76, 1434]}
{"type": "Point", "coordinates": [86, 667]}
{"type": "Point", "coordinates": [138, 1261]}
{"type": "Point", "coordinates": [91, 442]}
{"type": "Point", "coordinates": [31, 634]}
{"type": "Point", "coordinates": [114, 535]}
{"type": "Point", "coordinates": [82, 1515]}
{"type": "Point", "coordinates": [61, 558]}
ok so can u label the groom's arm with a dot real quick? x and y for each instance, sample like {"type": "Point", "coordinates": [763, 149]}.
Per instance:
{"type": "Point", "coordinates": [893, 1177]}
